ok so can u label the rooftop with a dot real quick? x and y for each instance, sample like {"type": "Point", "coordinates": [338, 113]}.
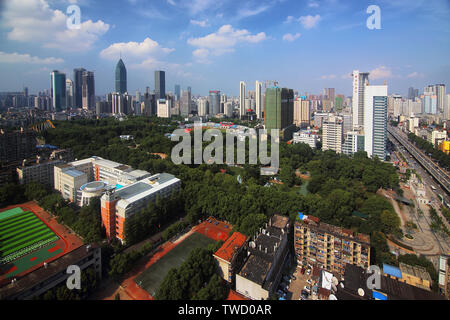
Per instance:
{"type": "Point", "coordinates": [416, 271]}
{"type": "Point", "coordinates": [229, 248]}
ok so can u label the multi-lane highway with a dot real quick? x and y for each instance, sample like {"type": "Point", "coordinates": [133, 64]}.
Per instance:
{"type": "Point", "coordinates": [441, 175]}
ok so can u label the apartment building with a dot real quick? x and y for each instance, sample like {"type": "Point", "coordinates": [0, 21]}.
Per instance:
{"type": "Point", "coordinates": [329, 246]}
{"type": "Point", "coordinates": [266, 255]}
{"type": "Point", "coordinates": [333, 134]}
{"type": "Point", "coordinates": [40, 172]}
{"type": "Point", "coordinates": [230, 256]}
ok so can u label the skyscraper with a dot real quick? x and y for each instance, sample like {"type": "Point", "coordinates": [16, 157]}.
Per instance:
{"type": "Point", "coordinates": [178, 91]}
{"type": "Point", "coordinates": [185, 103]}
{"type": "Point", "coordinates": [359, 81]}
{"type": "Point", "coordinates": [69, 93]}
{"type": "Point", "coordinates": [258, 100]}
{"type": "Point", "coordinates": [242, 98]}
{"type": "Point", "coordinates": [88, 90]}
{"type": "Point", "coordinates": [58, 90]}
{"type": "Point", "coordinates": [279, 110]}
{"type": "Point", "coordinates": [77, 87]}
{"type": "Point", "coordinates": [440, 95]}
{"type": "Point", "coordinates": [375, 121]}
{"type": "Point", "coordinates": [121, 77]}
{"type": "Point", "coordinates": [160, 85]}
{"type": "Point", "coordinates": [214, 102]}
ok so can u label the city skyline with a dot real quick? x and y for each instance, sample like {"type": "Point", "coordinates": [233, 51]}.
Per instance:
{"type": "Point", "coordinates": [304, 45]}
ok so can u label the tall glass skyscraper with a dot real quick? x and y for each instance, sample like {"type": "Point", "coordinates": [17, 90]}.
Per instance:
{"type": "Point", "coordinates": [375, 121]}
{"type": "Point", "coordinates": [77, 87]}
{"type": "Point", "coordinates": [160, 85]}
{"type": "Point", "coordinates": [214, 102]}
{"type": "Point", "coordinates": [88, 89]}
{"type": "Point", "coordinates": [121, 77]}
{"type": "Point", "coordinates": [58, 90]}
{"type": "Point", "coordinates": [177, 91]}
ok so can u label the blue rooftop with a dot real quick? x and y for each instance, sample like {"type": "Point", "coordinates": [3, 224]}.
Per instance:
{"type": "Point", "coordinates": [379, 296]}
{"type": "Point", "coordinates": [392, 271]}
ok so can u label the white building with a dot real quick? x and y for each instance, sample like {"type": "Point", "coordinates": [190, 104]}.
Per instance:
{"type": "Point", "coordinates": [242, 98]}
{"type": "Point", "coordinates": [333, 130]}
{"type": "Point", "coordinates": [258, 100]}
{"type": "Point", "coordinates": [359, 82]}
{"type": "Point", "coordinates": [375, 120]}
{"type": "Point", "coordinates": [163, 108]}
{"type": "Point", "coordinates": [306, 136]}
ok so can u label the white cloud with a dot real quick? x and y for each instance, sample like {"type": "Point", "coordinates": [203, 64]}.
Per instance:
{"type": "Point", "coordinates": [381, 72]}
{"type": "Point", "coordinates": [291, 37]}
{"type": "Point", "coordinates": [201, 23]}
{"type": "Point", "coordinates": [171, 2]}
{"type": "Point", "coordinates": [201, 55]}
{"type": "Point", "coordinates": [415, 75]}
{"type": "Point", "coordinates": [197, 6]}
{"type": "Point", "coordinates": [224, 40]}
{"type": "Point", "coordinates": [36, 21]}
{"type": "Point", "coordinates": [309, 21]}
{"type": "Point", "coordinates": [152, 64]}
{"type": "Point", "coordinates": [313, 4]}
{"type": "Point", "coordinates": [289, 19]}
{"type": "Point", "coordinates": [135, 50]}
{"type": "Point", "coordinates": [26, 58]}
{"type": "Point", "coordinates": [328, 77]}
{"type": "Point", "coordinates": [243, 13]}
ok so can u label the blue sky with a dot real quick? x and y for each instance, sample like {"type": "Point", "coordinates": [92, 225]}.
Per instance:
{"type": "Point", "coordinates": [306, 45]}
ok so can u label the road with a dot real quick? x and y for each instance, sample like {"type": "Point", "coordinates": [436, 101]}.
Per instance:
{"type": "Point", "coordinates": [427, 179]}
{"type": "Point", "coordinates": [435, 170]}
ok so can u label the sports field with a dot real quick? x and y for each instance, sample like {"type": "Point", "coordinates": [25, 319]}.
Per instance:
{"type": "Point", "coordinates": [22, 232]}
{"type": "Point", "coordinates": [151, 279]}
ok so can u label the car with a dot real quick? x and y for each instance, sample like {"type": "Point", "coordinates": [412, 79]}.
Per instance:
{"type": "Point", "coordinates": [308, 272]}
{"type": "Point", "coordinates": [309, 281]}
{"type": "Point", "coordinates": [307, 289]}
{"type": "Point", "coordinates": [303, 271]}
{"type": "Point", "coordinates": [305, 293]}
{"type": "Point", "coordinates": [216, 223]}
{"type": "Point", "coordinates": [293, 278]}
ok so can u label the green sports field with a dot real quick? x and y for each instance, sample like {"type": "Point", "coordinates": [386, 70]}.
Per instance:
{"type": "Point", "coordinates": [151, 279]}
{"type": "Point", "coordinates": [22, 232]}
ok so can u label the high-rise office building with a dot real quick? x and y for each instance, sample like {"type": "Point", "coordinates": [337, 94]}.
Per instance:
{"type": "Point", "coordinates": [354, 142]}
{"type": "Point", "coordinates": [121, 77]}
{"type": "Point", "coordinates": [69, 93]}
{"type": "Point", "coordinates": [178, 91]}
{"type": "Point", "coordinates": [58, 90]}
{"type": "Point", "coordinates": [413, 93]}
{"type": "Point", "coordinates": [330, 94]}
{"type": "Point", "coordinates": [359, 82]}
{"type": "Point", "coordinates": [280, 111]}
{"type": "Point", "coordinates": [375, 121]}
{"type": "Point", "coordinates": [214, 102]}
{"type": "Point", "coordinates": [203, 106]}
{"type": "Point", "coordinates": [77, 87]}
{"type": "Point", "coordinates": [242, 98]}
{"type": "Point", "coordinates": [185, 109]}
{"type": "Point", "coordinates": [160, 85]}
{"type": "Point", "coordinates": [333, 134]}
{"type": "Point", "coordinates": [258, 99]}
{"type": "Point", "coordinates": [164, 107]}
{"type": "Point", "coordinates": [88, 90]}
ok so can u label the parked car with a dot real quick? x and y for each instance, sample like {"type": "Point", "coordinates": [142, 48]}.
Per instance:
{"type": "Point", "coordinates": [307, 289]}
{"type": "Point", "coordinates": [309, 281]}
{"type": "Point", "coordinates": [293, 278]}
{"type": "Point", "coordinates": [308, 272]}
{"type": "Point", "coordinates": [303, 271]}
